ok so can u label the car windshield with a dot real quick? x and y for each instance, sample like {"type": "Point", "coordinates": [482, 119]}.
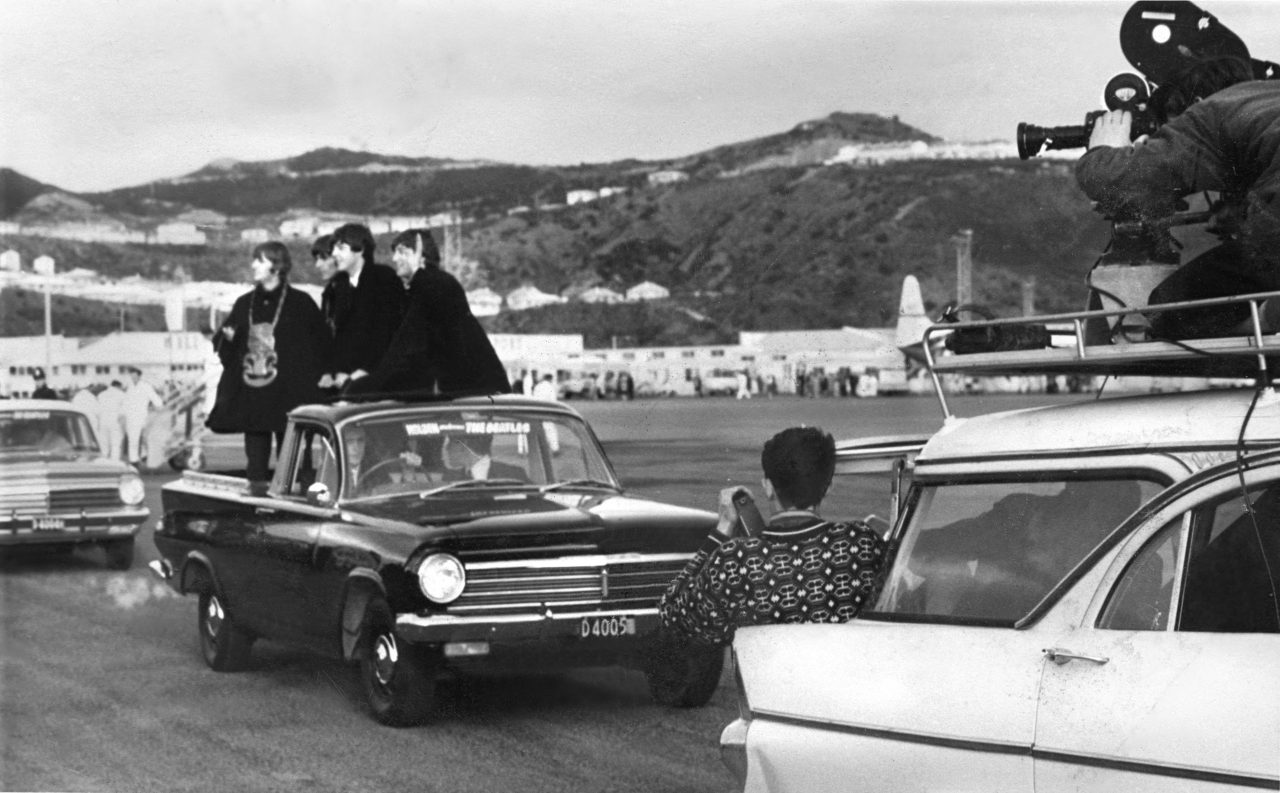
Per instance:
{"type": "Point", "coordinates": [48, 431]}
{"type": "Point", "coordinates": [990, 551]}
{"type": "Point", "coordinates": [439, 454]}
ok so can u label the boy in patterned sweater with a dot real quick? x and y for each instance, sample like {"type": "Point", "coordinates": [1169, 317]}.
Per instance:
{"type": "Point", "coordinates": [800, 568]}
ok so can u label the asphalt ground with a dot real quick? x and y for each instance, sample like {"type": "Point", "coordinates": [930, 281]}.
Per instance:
{"type": "Point", "coordinates": [102, 687]}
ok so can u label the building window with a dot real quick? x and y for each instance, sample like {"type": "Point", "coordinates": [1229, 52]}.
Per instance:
{"type": "Point", "coordinates": [717, 353]}
{"type": "Point", "coordinates": [779, 357]}
{"type": "Point", "coordinates": [658, 354]}
{"type": "Point", "coordinates": [628, 356]}
{"type": "Point", "coordinates": [746, 357]}
{"type": "Point", "coordinates": [687, 354]}
{"type": "Point", "coordinates": [102, 370]}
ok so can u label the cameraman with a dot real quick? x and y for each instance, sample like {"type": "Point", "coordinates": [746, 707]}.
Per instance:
{"type": "Point", "coordinates": [801, 568]}
{"type": "Point", "coordinates": [1222, 134]}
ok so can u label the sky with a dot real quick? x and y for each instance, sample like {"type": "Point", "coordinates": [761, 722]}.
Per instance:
{"type": "Point", "coordinates": [101, 94]}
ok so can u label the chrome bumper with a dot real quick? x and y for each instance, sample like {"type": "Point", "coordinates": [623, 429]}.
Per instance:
{"type": "Point", "coordinates": [498, 628]}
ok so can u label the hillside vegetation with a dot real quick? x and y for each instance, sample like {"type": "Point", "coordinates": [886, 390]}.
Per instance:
{"type": "Point", "coordinates": [761, 236]}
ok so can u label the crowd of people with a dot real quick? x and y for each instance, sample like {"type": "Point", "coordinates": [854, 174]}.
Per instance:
{"type": "Point", "coordinates": [119, 412]}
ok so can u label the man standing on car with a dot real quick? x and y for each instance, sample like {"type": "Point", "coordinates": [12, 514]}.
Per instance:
{"type": "Point", "coordinates": [440, 345]}
{"type": "Point", "coordinates": [363, 331]}
{"type": "Point", "coordinates": [800, 568]}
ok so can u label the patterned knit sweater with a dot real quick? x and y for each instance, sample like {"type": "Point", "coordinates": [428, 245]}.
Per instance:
{"type": "Point", "coordinates": [799, 569]}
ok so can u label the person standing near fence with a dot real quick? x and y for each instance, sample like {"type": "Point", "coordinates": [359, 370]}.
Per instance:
{"type": "Point", "coordinates": [139, 399]}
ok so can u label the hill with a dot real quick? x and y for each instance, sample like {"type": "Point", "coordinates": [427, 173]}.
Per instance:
{"type": "Point", "coordinates": [762, 235]}
{"type": "Point", "coordinates": [16, 190]}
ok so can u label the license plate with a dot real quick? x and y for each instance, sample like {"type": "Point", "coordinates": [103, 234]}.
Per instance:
{"type": "Point", "coordinates": [606, 627]}
{"type": "Point", "coordinates": [48, 524]}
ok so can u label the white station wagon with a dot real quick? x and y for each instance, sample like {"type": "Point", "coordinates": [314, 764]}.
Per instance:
{"type": "Point", "coordinates": [1080, 597]}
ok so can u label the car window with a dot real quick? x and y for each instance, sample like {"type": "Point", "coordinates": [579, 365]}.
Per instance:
{"type": "Point", "coordinates": [1142, 597]}
{"type": "Point", "coordinates": [1232, 565]}
{"type": "Point", "coordinates": [314, 462]}
{"type": "Point", "coordinates": [992, 550]}
{"type": "Point", "coordinates": [45, 431]}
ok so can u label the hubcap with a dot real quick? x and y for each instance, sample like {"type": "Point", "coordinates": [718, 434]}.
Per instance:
{"type": "Point", "coordinates": [385, 656]}
{"type": "Point", "coordinates": [213, 617]}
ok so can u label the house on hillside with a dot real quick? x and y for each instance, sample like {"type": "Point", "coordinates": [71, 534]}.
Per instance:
{"type": "Point", "coordinates": [530, 297]}
{"type": "Point", "coordinates": [600, 294]}
{"type": "Point", "coordinates": [179, 233]}
{"type": "Point", "coordinates": [484, 302]}
{"type": "Point", "coordinates": [581, 196]}
{"type": "Point", "coordinates": [11, 261]}
{"type": "Point", "coordinates": [647, 290]}
{"type": "Point", "coordinates": [667, 177]}
{"type": "Point", "coordinates": [606, 192]}
{"type": "Point", "coordinates": [255, 236]}
{"type": "Point", "coordinates": [304, 226]}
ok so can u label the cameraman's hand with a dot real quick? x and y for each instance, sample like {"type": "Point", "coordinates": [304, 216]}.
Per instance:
{"type": "Point", "coordinates": [729, 526]}
{"type": "Point", "coordinates": [1111, 129]}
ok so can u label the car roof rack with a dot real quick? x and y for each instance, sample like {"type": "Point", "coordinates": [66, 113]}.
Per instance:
{"type": "Point", "coordinates": [1126, 348]}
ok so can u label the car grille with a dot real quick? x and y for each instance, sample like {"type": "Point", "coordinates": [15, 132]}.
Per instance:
{"type": "Point", "coordinates": [96, 498]}
{"type": "Point", "coordinates": [628, 580]}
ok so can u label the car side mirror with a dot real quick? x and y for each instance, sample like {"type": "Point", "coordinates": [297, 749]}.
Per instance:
{"type": "Point", "coordinates": [319, 495]}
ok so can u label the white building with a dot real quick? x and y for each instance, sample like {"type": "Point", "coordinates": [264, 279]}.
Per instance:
{"type": "Point", "coordinates": [299, 227]}
{"type": "Point", "coordinates": [647, 290]}
{"type": "Point", "coordinates": [179, 234]}
{"type": "Point", "coordinates": [255, 236]}
{"type": "Point", "coordinates": [581, 196]}
{"type": "Point", "coordinates": [484, 302]}
{"type": "Point", "coordinates": [667, 177]}
{"type": "Point", "coordinates": [606, 192]}
{"type": "Point", "coordinates": [600, 294]}
{"type": "Point", "coordinates": [11, 261]}
{"type": "Point", "coordinates": [530, 297]}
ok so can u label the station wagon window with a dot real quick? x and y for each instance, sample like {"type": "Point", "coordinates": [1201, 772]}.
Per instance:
{"type": "Point", "coordinates": [1142, 597]}
{"type": "Point", "coordinates": [989, 551]}
{"type": "Point", "coordinates": [1232, 565]}
{"type": "Point", "coordinates": [45, 431]}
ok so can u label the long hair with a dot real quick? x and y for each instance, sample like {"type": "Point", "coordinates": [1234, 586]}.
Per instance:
{"type": "Point", "coordinates": [1201, 78]}
{"type": "Point", "coordinates": [357, 237]}
{"type": "Point", "coordinates": [278, 255]}
{"type": "Point", "coordinates": [412, 238]}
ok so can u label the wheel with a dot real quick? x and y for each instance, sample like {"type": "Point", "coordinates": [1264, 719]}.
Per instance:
{"type": "Point", "coordinates": [683, 673]}
{"type": "Point", "coordinates": [224, 645]}
{"type": "Point", "coordinates": [399, 681]}
{"type": "Point", "coordinates": [119, 554]}
{"type": "Point", "coordinates": [190, 459]}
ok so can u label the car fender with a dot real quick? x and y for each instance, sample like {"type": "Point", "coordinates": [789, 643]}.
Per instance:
{"type": "Point", "coordinates": [198, 575]}
{"type": "Point", "coordinates": [363, 586]}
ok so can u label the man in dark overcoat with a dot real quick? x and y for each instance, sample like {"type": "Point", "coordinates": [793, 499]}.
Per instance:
{"type": "Point", "coordinates": [364, 326]}
{"type": "Point", "coordinates": [440, 346]}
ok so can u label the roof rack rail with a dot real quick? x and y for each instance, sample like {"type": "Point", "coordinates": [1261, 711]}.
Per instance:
{"type": "Point", "coordinates": [1253, 354]}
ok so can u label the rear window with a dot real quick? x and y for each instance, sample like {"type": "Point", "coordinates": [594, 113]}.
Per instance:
{"type": "Point", "coordinates": [990, 551]}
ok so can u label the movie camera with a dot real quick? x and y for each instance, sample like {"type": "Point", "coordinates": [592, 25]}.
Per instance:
{"type": "Point", "coordinates": [1159, 38]}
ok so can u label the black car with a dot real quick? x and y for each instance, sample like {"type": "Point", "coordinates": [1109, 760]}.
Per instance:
{"type": "Point", "coordinates": [418, 539]}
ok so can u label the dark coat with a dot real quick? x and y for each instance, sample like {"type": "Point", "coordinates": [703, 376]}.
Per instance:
{"type": "Point", "coordinates": [335, 300]}
{"type": "Point", "coordinates": [300, 347]}
{"type": "Point", "coordinates": [365, 319]}
{"type": "Point", "coordinates": [439, 343]}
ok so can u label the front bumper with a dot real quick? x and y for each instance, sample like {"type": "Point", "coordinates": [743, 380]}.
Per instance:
{"type": "Point", "coordinates": [548, 626]}
{"type": "Point", "coordinates": [71, 528]}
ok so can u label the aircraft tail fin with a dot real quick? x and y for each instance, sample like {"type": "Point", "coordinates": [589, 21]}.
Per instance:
{"type": "Point", "coordinates": [912, 321]}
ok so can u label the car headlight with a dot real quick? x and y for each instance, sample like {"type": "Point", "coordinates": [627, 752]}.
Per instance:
{"type": "Point", "coordinates": [131, 490]}
{"type": "Point", "coordinates": [441, 577]}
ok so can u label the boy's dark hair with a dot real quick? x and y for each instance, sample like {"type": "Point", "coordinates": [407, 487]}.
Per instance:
{"type": "Point", "coordinates": [1198, 80]}
{"type": "Point", "coordinates": [278, 255]}
{"type": "Point", "coordinates": [800, 462]}
{"type": "Point", "coordinates": [357, 237]}
{"type": "Point", "coordinates": [409, 239]}
{"type": "Point", "coordinates": [322, 248]}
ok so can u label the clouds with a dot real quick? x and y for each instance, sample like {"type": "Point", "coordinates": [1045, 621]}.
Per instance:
{"type": "Point", "coordinates": [101, 94]}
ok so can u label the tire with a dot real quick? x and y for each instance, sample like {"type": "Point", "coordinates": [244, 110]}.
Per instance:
{"type": "Point", "coordinates": [224, 645]}
{"type": "Point", "coordinates": [119, 554]}
{"type": "Point", "coordinates": [683, 673]}
{"type": "Point", "coordinates": [399, 680]}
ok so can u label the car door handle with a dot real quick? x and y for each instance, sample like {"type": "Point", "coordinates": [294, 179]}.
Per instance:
{"type": "Point", "coordinates": [1060, 656]}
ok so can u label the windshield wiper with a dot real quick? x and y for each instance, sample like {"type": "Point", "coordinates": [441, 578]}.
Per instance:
{"type": "Point", "coordinates": [472, 483]}
{"type": "Point", "coordinates": [579, 483]}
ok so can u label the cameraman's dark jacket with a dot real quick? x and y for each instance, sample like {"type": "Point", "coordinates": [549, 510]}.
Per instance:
{"type": "Point", "coordinates": [1228, 142]}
